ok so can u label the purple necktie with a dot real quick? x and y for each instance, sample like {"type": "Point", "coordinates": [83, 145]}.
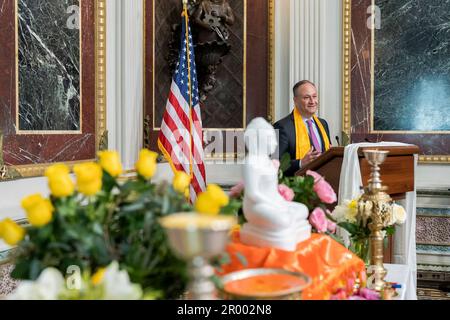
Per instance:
{"type": "Point", "coordinates": [313, 136]}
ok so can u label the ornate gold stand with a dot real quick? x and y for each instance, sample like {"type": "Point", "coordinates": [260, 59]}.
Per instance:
{"type": "Point", "coordinates": [377, 205]}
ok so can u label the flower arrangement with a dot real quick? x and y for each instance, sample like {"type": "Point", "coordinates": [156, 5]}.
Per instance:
{"type": "Point", "coordinates": [316, 193]}
{"type": "Point", "coordinates": [312, 190]}
{"type": "Point", "coordinates": [106, 284]}
{"type": "Point", "coordinates": [96, 220]}
{"type": "Point", "coordinates": [354, 217]}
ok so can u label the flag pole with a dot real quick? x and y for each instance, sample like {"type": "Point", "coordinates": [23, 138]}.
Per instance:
{"type": "Point", "coordinates": [185, 13]}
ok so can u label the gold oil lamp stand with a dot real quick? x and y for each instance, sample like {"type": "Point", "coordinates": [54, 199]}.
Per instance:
{"type": "Point", "coordinates": [377, 205]}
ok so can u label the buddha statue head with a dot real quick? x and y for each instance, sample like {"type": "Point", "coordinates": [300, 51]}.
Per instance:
{"type": "Point", "coordinates": [260, 138]}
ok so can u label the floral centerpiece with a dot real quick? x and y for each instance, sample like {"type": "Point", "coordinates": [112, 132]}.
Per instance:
{"type": "Point", "coordinates": [354, 217]}
{"type": "Point", "coordinates": [106, 284]}
{"type": "Point", "coordinates": [96, 220]}
{"type": "Point", "coordinates": [312, 190]}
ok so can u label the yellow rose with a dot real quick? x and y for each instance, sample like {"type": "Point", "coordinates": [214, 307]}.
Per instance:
{"type": "Point", "coordinates": [60, 183]}
{"type": "Point", "coordinates": [89, 178]}
{"type": "Point", "coordinates": [218, 194]}
{"type": "Point", "coordinates": [212, 200]}
{"type": "Point", "coordinates": [181, 181]}
{"type": "Point", "coordinates": [11, 232]}
{"type": "Point", "coordinates": [97, 278]}
{"type": "Point", "coordinates": [110, 162]}
{"type": "Point", "coordinates": [206, 204]}
{"type": "Point", "coordinates": [39, 210]}
{"type": "Point", "coordinates": [146, 165]}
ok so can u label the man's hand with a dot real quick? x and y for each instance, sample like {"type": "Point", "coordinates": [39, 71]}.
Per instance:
{"type": "Point", "coordinates": [310, 157]}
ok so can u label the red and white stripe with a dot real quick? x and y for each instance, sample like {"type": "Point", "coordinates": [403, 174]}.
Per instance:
{"type": "Point", "coordinates": [185, 151]}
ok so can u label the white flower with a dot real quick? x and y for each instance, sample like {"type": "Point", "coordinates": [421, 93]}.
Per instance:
{"type": "Point", "coordinates": [48, 286]}
{"type": "Point", "coordinates": [339, 213]}
{"type": "Point", "coordinates": [346, 212]}
{"type": "Point", "coordinates": [117, 285]}
{"type": "Point", "coordinates": [399, 214]}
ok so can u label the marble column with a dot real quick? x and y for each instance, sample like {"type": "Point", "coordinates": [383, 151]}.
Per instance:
{"type": "Point", "coordinates": [315, 48]}
{"type": "Point", "coordinates": [125, 78]}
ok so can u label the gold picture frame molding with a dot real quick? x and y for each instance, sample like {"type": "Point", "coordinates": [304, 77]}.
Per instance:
{"type": "Point", "coordinates": [347, 81]}
{"type": "Point", "coordinates": [27, 171]}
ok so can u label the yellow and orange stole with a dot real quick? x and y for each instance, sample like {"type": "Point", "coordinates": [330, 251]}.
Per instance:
{"type": "Point", "coordinates": [303, 145]}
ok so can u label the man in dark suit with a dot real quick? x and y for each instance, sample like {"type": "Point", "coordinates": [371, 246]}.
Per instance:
{"type": "Point", "coordinates": [302, 134]}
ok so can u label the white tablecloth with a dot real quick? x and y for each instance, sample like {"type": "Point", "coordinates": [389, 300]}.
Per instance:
{"type": "Point", "coordinates": [401, 274]}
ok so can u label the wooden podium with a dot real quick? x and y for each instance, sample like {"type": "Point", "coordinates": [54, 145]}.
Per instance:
{"type": "Point", "coordinates": [397, 172]}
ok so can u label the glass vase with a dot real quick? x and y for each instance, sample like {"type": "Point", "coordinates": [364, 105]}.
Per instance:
{"type": "Point", "coordinates": [361, 247]}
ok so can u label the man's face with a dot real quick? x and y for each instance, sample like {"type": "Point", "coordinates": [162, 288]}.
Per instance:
{"type": "Point", "coordinates": [307, 100]}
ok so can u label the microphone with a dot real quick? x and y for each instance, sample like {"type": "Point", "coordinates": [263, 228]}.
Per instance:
{"type": "Point", "coordinates": [338, 142]}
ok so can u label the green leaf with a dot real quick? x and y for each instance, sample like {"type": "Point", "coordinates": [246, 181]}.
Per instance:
{"type": "Point", "coordinates": [35, 269]}
{"type": "Point", "coordinates": [337, 238]}
{"type": "Point", "coordinates": [285, 162]}
{"type": "Point", "coordinates": [108, 182]}
{"type": "Point", "coordinates": [350, 227]}
{"type": "Point", "coordinates": [139, 205]}
{"type": "Point", "coordinates": [21, 270]}
{"type": "Point", "coordinates": [330, 217]}
{"type": "Point", "coordinates": [232, 208]}
{"type": "Point", "coordinates": [390, 230]}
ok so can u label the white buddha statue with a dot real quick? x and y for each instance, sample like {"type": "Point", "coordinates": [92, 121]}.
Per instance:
{"type": "Point", "coordinates": [272, 221]}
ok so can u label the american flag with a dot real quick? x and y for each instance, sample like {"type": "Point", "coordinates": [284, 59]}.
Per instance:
{"type": "Point", "coordinates": [181, 136]}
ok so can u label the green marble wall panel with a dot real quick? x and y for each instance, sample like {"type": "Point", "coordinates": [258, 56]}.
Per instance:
{"type": "Point", "coordinates": [48, 66]}
{"type": "Point", "coordinates": [412, 66]}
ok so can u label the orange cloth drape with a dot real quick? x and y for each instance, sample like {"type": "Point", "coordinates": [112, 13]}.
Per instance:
{"type": "Point", "coordinates": [327, 262]}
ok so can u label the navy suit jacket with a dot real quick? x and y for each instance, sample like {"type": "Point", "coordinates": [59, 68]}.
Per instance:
{"type": "Point", "coordinates": [287, 141]}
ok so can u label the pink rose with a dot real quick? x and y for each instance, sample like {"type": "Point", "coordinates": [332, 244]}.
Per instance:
{"type": "Point", "coordinates": [276, 164]}
{"type": "Point", "coordinates": [350, 286]}
{"type": "Point", "coordinates": [286, 192]}
{"type": "Point", "coordinates": [322, 188]}
{"type": "Point", "coordinates": [331, 226]}
{"type": "Point", "coordinates": [315, 175]}
{"type": "Point", "coordinates": [318, 220]}
{"type": "Point", "coordinates": [340, 295]}
{"type": "Point", "coordinates": [369, 294]}
{"type": "Point", "coordinates": [363, 277]}
{"type": "Point", "coordinates": [237, 190]}
{"type": "Point", "coordinates": [356, 298]}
